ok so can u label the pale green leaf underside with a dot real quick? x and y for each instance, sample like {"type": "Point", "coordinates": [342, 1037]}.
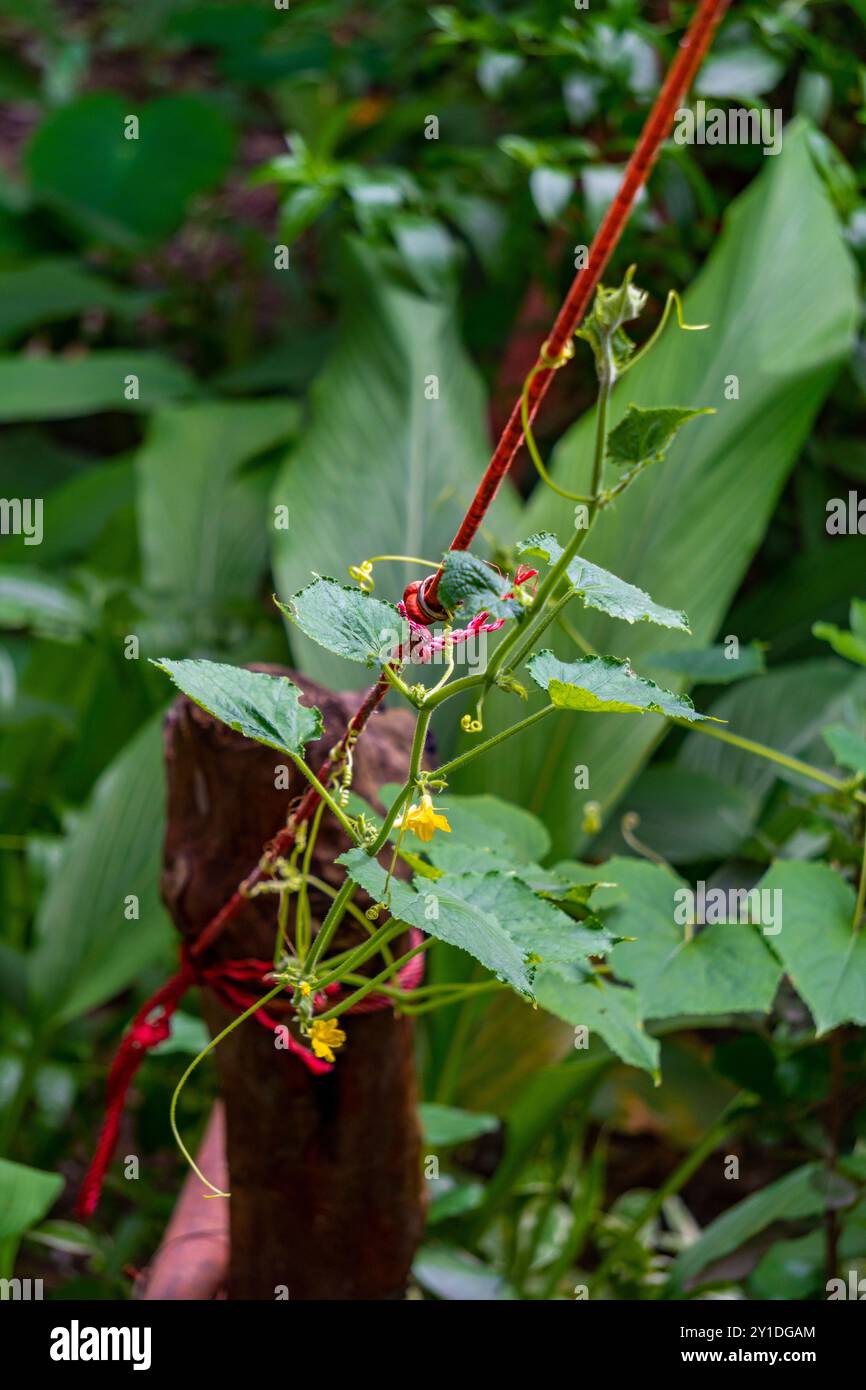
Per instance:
{"type": "Point", "coordinates": [599, 589]}
{"type": "Point", "coordinates": [347, 621]}
{"type": "Point", "coordinates": [265, 708]}
{"type": "Point", "coordinates": [824, 957]}
{"type": "Point", "coordinates": [605, 684]}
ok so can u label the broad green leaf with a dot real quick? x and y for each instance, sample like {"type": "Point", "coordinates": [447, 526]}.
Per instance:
{"type": "Point", "coordinates": [711, 665]}
{"type": "Point", "coordinates": [447, 917]}
{"type": "Point", "coordinates": [128, 191]}
{"type": "Point", "coordinates": [848, 748]}
{"type": "Point", "coordinates": [794, 1197]}
{"type": "Point", "coordinates": [689, 527]}
{"type": "Point", "coordinates": [823, 955]}
{"type": "Point", "coordinates": [611, 1011]}
{"type": "Point", "coordinates": [201, 512]}
{"type": "Point", "coordinates": [683, 815]}
{"type": "Point", "coordinates": [259, 706]}
{"type": "Point", "coordinates": [492, 824]}
{"type": "Point", "coordinates": [87, 949]}
{"type": "Point", "coordinates": [397, 442]}
{"type": "Point", "coordinates": [714, 969]}
{"type": "Point", "coordinates": [445, 1125]}
{"type": "Point", "coordinates": [26, 1194]}
{"type": "Point", "coordinates": [605, 684]}
{"type": "Point", "coordinates": [604, 591]}
{"type": "Point", "coordinates": [58, 388]}
{"type": "Point", "coordinates": [46, 291]}
{"type": "Point", "coordinates": [42, 604]}
{"type": "Point", "coordinates": [851, 645]}
{"type": "Point", "coordinates": [468, 586]}
{"type": "Point", "coordinates": [347, 621]}
{"type": "Point", "coordinates": [644, 434]}
{"type": "Point", "coordinates": [541, 930]}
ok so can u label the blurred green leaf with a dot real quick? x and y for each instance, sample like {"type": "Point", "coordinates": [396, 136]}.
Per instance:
{"type": "Point", "coordinates": [346, 621]}
{"type": "Point", "coordinates": [443, 1126]}
{"type": "Point", "coordinates": [397, 438]}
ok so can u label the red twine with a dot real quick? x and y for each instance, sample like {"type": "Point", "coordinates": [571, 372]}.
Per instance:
{"type": "Point", "coordinates": [152, 1025]}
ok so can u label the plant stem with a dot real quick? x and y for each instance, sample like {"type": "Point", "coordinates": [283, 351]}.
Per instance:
{"type": "Point", "coordinates": [489, 743]}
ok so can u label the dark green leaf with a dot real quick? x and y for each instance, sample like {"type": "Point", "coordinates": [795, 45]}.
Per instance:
{"type": "Point", "coordinates": [824, 956]}
{"type": "Point", "coordinates": [259, 706]}
{"type": "Point", "coordinates": [645, 433]}
{"type": "Point", "coordinates": [347, 621]}
{"type": "Point", "coordinates": [605, 684]}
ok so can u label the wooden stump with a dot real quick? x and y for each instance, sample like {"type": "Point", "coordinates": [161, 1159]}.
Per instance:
{"type": "Point", "coordinates": [326, 1199]}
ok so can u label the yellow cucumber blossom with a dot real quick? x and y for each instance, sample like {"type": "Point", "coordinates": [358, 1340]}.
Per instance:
{"type": "Point", "coordinates": [424, 820]}
{"type": "Point", "coordinates": [326, 1034]}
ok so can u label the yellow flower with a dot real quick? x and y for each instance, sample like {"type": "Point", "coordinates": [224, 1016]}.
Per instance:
{"type": "Point", "coordinates": [424, 820]}
{"type": "Point", "coordinates": [325, 1035]}
{"type": "Point", "coordinates": [305, 988]}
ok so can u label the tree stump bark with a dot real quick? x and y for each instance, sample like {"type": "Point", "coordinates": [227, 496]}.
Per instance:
{"type": "Point", "coordinates": [325, 1180]}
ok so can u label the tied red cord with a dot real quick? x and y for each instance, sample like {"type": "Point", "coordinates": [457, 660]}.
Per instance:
{"type": "Point", "coordinates": [152, 1025]}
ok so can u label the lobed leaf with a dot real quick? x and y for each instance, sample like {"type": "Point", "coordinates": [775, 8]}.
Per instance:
{"type": "Point", "coordinates": [604, 591]}
{"type": "Point", "coordinates": [347, 621]}
{"type": "Point", "coordinates": [262, 707]}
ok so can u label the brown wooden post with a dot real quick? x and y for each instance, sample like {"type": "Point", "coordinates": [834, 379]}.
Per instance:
{"type": "Point", "coordinates": [324, 1171]}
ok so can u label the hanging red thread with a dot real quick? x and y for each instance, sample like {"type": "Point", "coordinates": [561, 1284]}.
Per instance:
{"type": "Point", "coordinates": [152, 1025]}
